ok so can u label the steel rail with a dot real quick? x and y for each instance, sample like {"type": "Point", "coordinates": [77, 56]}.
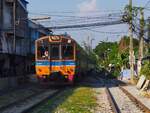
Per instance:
{"type": "Point", "coordinates": [2, 108]}
{"type": "Point", "coordinates": [30, 108]}
{"type": "Point", "coordinates": [138, 103]}
{"type": "Point", "coordinates": [42, 101]}
{"type": "Point", "coordinates": [112, 101]}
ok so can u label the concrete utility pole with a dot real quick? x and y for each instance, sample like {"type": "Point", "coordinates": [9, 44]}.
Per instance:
{"type": "Point", "coordinates": [141, 44]}
{"type": "Point", "coordinates": [91, 43]}
{"type": "Point", "coordinates": [88, 44]}
{"type": "Point", "coordinates": [14, 26]}
{"type": "Point", "coordinates": [131, 52]}
{"type": "Point", "coordinates": [148, 29]}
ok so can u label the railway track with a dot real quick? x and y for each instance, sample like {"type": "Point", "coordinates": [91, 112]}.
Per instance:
{"type": "Point", "coordinates": [2, 108]}
{"type": "Point", "coordinates": [29, 103]}
{"type": "Point", "coordinates": [135, 100]}
{"type": "Point", "coordinates": [122, 101]}
{"type": "Point", "coordinates": [112, 102]}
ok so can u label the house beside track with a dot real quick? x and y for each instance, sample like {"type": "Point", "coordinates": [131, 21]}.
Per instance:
{"type": "Point", "coordinates": [16, 64]}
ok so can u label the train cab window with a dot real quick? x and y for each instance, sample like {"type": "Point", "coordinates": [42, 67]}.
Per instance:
{"type": "Point", "coordinates": [67, 52]}
{"type": "Point", "coordinates": [54, 52]}
{"type": "Point", "coordinates": [42, 51]}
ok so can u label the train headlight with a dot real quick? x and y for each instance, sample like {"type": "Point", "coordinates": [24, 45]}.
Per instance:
{"type": "Point", "coordinates": [55, 38]}
{"type": "Point", "coordinates": [69, 41]}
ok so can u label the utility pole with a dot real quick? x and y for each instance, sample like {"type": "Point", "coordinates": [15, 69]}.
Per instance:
{"type": "Point", "coordinates": [131, 52]}
{"type": "Point", "coordinates": [14, 26]}
{"type": "Point", "coordinates": [91, 43]}
{"type": "Point", "coordinates": [88, 44]}
{"type": "Point", "coordinates": [141, 44]}
{"type": "Point", "coordinates": [148, 29]}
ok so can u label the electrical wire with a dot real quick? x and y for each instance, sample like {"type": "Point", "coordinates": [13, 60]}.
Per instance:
{"type": "Point", "coordinates": [148, 2]}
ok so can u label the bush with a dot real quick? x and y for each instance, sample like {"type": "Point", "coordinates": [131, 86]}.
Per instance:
{"type": "Point", "coordinates": [116, 73]}
{"type": "Point", "coordinates": [146, 70]}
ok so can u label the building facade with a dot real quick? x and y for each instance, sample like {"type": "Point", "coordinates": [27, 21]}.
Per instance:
{"type": "Point", "coordinates": [36, 31]}
{"type": "Point", "coordinates": [16, 41]}
{"type": "Point", "coordinates": [20, 15]}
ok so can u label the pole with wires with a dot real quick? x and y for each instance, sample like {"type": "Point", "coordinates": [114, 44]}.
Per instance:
{"type": "Point", "coordinates": [131, 52]}
{"type": "Point", "coordinates": [141, 44]}
{"type": "Point", "coordinates": [14, 26]}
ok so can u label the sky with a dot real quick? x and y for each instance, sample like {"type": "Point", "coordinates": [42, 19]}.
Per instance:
{"type": "Point", "coordinates": [63, 12]}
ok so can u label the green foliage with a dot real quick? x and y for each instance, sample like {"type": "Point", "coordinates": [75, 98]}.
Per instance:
{"type": "Point", "coordinates": [82, 101]}
{"type": "Point", "coordinates": [125, 42]}
{"type": "Point", "coordinates": [106, 52]}
{"type": "Point", "coordinates": [146, 70]}
{"type": "Point", "coordinates": [124, 49]}
{"type": "Point", "coordinates": [115, 53]}
{"type": "Point", "coordinates": [95, 60]}
{"type": "Point", "coordinates": [116, 73]}
{"type": "Point", "coordinates": [72, 100]}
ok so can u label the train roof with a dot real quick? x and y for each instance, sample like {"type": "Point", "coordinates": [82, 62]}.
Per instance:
{"type": "Point", "coordinates": [62, 36]}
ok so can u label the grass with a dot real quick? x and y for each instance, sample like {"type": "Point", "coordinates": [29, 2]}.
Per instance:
{"type": "Point", "coordinates": [145, 94]}
{"type": "Point", "coordinates": [78, 100]}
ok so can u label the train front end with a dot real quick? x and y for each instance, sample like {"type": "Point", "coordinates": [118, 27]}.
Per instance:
{"type": "Point", "coordinates": [55, 59]}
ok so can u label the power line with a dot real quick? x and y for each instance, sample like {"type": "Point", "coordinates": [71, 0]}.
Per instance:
{"type": "Point", "coordinates": [81, 19]}
{"type": "Point", "coordinates": [88, 25]}
{"type": "Point", "coordinates": [101, 32]}
{"type": "Point", "coordinates": [104, 32]}
{"type": "Point", "coordinates": [78, 21]}
{"type": "Point", "coordinates": [147, 4]}
{"type": "Point", "coordinates": [73, 12]}
{"type": "Point", "coordinates": [72, 16]}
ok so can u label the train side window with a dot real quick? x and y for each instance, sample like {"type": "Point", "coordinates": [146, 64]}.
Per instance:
{"type": "Point", "coordinates": [67, 52]}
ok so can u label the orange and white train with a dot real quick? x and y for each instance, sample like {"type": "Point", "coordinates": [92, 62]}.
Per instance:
{"type": "Point", "coordinates": [59, 58]}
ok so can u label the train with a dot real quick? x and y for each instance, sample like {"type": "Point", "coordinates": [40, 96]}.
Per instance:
{"type": "Point", "coordinates": [60, 59]}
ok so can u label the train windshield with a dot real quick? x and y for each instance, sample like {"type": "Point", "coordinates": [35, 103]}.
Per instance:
{"type": "Point", "coordinates": [54, 51]}
{"type": "Point", "coordinates": [42, 50]}
{"type": "Point", "coordinates": [67, 52]}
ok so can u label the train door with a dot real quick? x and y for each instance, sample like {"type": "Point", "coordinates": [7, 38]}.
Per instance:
{"type": "Point", "coordinates": [54, 57]}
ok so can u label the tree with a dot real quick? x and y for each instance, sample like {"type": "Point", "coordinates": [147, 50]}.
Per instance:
{"type": "Point", "coordinates": [115, 53]}
{"type": "Point", "coordinates": [108, 54]}
{"type": "Point", "coordinates": [124, 49]}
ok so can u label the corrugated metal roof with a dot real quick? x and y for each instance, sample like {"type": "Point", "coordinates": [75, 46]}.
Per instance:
{"type": "Point", "coordinates": [23, 4]}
